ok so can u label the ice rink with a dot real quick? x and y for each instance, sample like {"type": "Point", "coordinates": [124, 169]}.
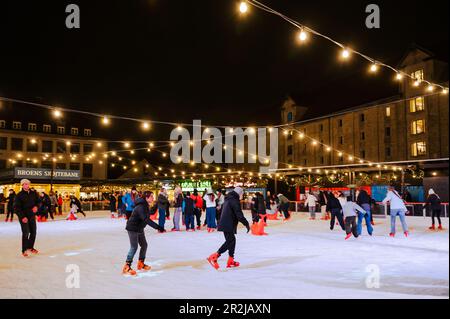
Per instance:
{"type": "Point", "coordinates": [298, 259]}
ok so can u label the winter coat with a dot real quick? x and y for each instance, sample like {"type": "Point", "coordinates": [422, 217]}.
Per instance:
{"type": "Point", "coordinates": [219, 201]}
{"type": "Point", "coordinates": [25, 202]}
{"type": "Point", "coordinates": [163, 202]}
{"type": "Point", "coordinates": [11, 199]}
{"type": "Point", "coordinates": [363, 198]}
{"type": "Point", "coordinates": [179, 200]}
{"type": "Point", "coordinates": [129, 202]}
{"type": "Point", "coordinates": [112, 203]}
{"type": "Point", "coordinates": [323, 198]}
{"type": "Point", "coordinates": [311, 200]}
{"type": "Point", "coordinates": [350, 209]}
{"type": "Point", "coordinates": [60, 201]}
{"type": "Point", "coordinates": [198, 201]}
{"type": "Point", "coordinates": [342, 200]}
{"type": "Point", "coordinates": [53, 200]}
{"type": "Point", "coordinates": [208, 202]}
{"type": "Point", "coordinates": [258, 205]}
{"type": "Point", "coordinates": [333, 203]}
{"type": "Point", "coordinates": [434, 202]}
{"type": "Point", "coordinates": [232, 214]}
{"type": "Point", "coordinates": [75, 201]}
{"type": "Point", "coordinates": [140, 217]}
{"type": "Point", "coordinates": [44, 204]}
{"type": "Point", "coordinates": [188, 206]}
{"type": "Point", "coordinates": [395, 201]}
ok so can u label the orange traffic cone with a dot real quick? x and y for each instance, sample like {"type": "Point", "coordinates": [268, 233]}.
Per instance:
{"type": "Point", "coordinates": [258, 228]}
{"type": "Point", "coordinates": [272, 216]}
{"type": "Point", "coordinates": [154, 216]}
{"type": "Point", "coordinates": [71, 217]}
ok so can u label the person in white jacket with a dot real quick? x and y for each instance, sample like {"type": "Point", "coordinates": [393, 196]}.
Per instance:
{"type": "Point", "coordinates": [210, 200]}
{"type": "Point", "coordinates": [311, 201]}
{"type": "Point", "coordinates": [398, 208]}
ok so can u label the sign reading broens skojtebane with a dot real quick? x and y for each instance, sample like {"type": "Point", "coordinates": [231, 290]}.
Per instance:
{"type": "Point", "coordinates": [46, 173]}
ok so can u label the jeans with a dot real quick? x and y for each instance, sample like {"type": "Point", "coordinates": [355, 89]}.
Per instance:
{"type": "Point", "coordinates": [336, 213]}
{"type": "Point", "coordinates": [350, 226]}
{"type": "Point", "coordinates": [285, 209]}
{"type": "Point", "coordinates": [401, 215]}
{"type": "Point", "coordinates": [135, 240]}
{"type": "Point", "coordinates": [176, 218]}
{"type": "Point", "coordinates": [312, 211]}
{"type": "Point", "coordinates": [230, 244]}
{"type": "Point", "coordinates": [161, 217]}
{"type": "Point", "coordinates": [28, 233]}
{"type": "Point", "coordinates": [211, 217]}
{"type": "Point", "coordinates": [366, 217]}
{"type": "Point", "coordinates": [189, 221]}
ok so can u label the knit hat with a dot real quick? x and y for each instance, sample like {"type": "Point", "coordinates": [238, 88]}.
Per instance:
{"type": "Point", "coordinates": [25, 181]}
{"type": "Point", "coordinates": [239, 191]}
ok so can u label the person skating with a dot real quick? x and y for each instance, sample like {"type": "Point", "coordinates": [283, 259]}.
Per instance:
{"type": "Point", "coordinates": [129, 201]}
{"type": "Point", "coordinates": [219, 202]}
{"type": "Point", "coordinates": [258, 208]}
{"type": "Point", "coordinates": [398, 208]}
{"type": "Point", "coordinates": [112, 205]}
{"type": "Point", "coordinates": [231, 216]}
{"type": "Point", "coordinates": [335, 208]}
{"type": "Point", "coordinates": [188, 210]}
{"type": "Point", "coordinates": [162, 206]}
{"type": "Point", "coordinates": [43, 207]}
{"type": "Point", "coordinates": [139, 218]}
{"type": "Point", "coordinates": [364, 200]}
{"type": "Point", "coordinates": [60, 204]}
{"type": "Point", "coordinates": [10, 206]}
{"type": "Point", "coordinates": [311, 202]}
{"type": "Point", "coordinates": [210, 204]}
{"type": "Point", "coordinates": [25, 206]}
{"type": "Point", "coordinates": [350, 209]}
{"type": "Point", "coordinates": [198, 208]}
{"type": "Point", "coordinates": [284, 206]}
{"type": "Point", "coordinates": [75, 201]}
{"type": "Point", "coordinates": [178, 202]}
{"type": "Point", "coordinates": [434, 202]}
{"type": "Point", "coordinates": [323, 199]}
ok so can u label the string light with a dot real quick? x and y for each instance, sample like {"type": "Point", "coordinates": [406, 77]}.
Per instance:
{"type": "Point", "coordinates": [345, 53]}
{"type": "Point", "coordinates": [145, 125]}
{"type": "Point", "coordinates": [57, 113]}
{"type": "Point", "coordinates": [303, 35]}
{"type": "Point", "coordinates": [373, 67]}
{"type": "Point", "coordinates": [105, 120]}
{"type": "Point", "coordinates": [243, 7]}
{"type": "Point", "coordinates": [399, 76]}
{"type": "Point", "coordinates": [430, 88]}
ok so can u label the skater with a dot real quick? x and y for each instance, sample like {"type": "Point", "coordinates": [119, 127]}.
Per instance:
{"type": "Point", "coordinates": [188, 210]}
{"type": "Point", "coordinates": [350, 209]}
{"type": "Point", "coordinates": [311, 202]}
{"type": "Point", "coordinates": [162, 206]}
{"type": "Point", "coordinates": [10, 206]}
{"type": "Point", "coordinates": [364, 200]}
{"type": "Point", "coordinates": [258, 208]}
{"type": "Point", "coordinates": [25, 206]}
{"type": "Point", "coordinates": [284, 206]}
{"type": "Point", "coordinates": [112, 205]}
{"type": "Point", "coordinates": [210, 203]}
{"type": "Point", "coordinates": [43, 207]}
{"type": "Point", "coordinates": [178, 198]}
{"type": "Point", "coordinates": [434, 202]}
{"type": "Point", "coordinates": [75, 202]}
{"type": "Point", "coordinates": [335, 208]}
{"type": "Point", "coordinates": [219, 202]}
{"type": "Point", "coordinates": [323, 199]}
{"type": "Point", "coordinates": [120, 205]}
{"type": "Point", "coordinates": [398, 208]}
{"type": "Point", "coordinates": [231, 216]}
{"type": "Point", "coordinates": [139, 218]}
{"type": "Point", "coordinates": [198, 208]}
{"type": "Point", "coordinates": [60, 204]}
{"type": "Point", "coordinates": [128, 201]}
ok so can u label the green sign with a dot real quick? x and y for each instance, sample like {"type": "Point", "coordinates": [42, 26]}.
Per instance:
{"type": "Point", "coordinates": [189, 186]}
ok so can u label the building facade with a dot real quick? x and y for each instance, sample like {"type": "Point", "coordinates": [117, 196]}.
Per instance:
{"type": "Point", "coordinates": [407, 127]}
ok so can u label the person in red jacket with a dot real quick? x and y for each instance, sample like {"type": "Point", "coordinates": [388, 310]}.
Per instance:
{"type": "Point", "coordinates": [198, 200]}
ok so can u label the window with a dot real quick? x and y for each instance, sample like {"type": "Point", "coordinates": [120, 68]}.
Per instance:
{"type": "Point", "coordinates": [388, 152]}
{"type": "Point", "coordinates": [341, 140]}
{"type": "Point", "coordinates": [61, 130]}
{"type": "Point", "coordinates": [363, 136]}
{"type": "Point", "coordinates": [60, 147]}
{"type": "Point", "coordinates": [418, 75]}
{"type": "Point", "coordinates": [418, 127]}
{"type": "Point", "coordinates": [87, 170]}
{"type": "Point", "coordinates": [74, 166]}
{"type": "Point", "coordinates": [87, 132]}
{"type": "Point", "coordinates": [16, 144]}
{"type": "Point", "coordinates": [47, 146]}
{"type": "Point", "coordinates": [61, 166]}
{"type": "Point", "coordinates": [289, 150]}
{"type": "Point", "coordinates": [32, 127]}
{"type": "Point", "coordinates": [340, 123]}
{"type": "Point", "coordinates": [88, 148]}
{"type": "Point", "coordinates": [17, 125]}
{"type": "Point", "coordinates": [387, 131]}
{"type": "Point", "coordinates": [388, 111]}
{"type": "Point", "coordinates": [2, 124]}
{"type": "Point", "coordinates": [32, 145]}
{"type": "Point", "coordinates": [3, 143]}
{"type": "Point", "coordinates": [418, 149]}
{"type": "Point", "coordinates": [75, 148]}
{"type": "Point", "coordinates": [289, 117]}
{"type": "Point", "coordinates": [74, 131]}
{"type": "Point", "coordinates": [417, 104]}
{"type": "Point", "coordinates": [362, 117]}
{"type": "Point", "coordinates": [47, 128]}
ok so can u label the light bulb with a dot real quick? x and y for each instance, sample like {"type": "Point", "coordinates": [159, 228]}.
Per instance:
{"type": "Point", "coordinates": [243, 7]}
{"type": "Point", "coordinates": [303, 36]}
{"type": "Point", "coordinates": [345, 53]}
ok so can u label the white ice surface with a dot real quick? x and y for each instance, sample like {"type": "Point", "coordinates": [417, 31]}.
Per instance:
{"type": "Point", "coordinates": [298, 259]}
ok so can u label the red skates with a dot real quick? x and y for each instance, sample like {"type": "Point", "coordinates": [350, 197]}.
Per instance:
{"type": "Point", "coordinates": [231, 263]}
{"type": "Point", "coordinates": [348, 236]}
{"type": "Point", "coordinates": [213, 260]}
{"type": "Point", "coordinates": [392, 235]}
{"type": "Point", "coordinates": [34, 251]}
{"type": "Point", "coordinates": [113, 216]}
{"type": "Point", "coordinates": [199, 227]}
{"type": "Point", "coordinates": [142, 266]}
{"type": "Point", "coordinates": [440, 227]}
{"type": "Point", "coordinates": [128, 271]}
{"type": "Point", "coordinates": [432, 227]}
{"type": "Point", "coordinates": [406, 233]}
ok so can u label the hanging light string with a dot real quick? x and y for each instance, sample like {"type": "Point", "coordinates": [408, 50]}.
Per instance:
{"type": "Point", "coordinates": [346, 51]}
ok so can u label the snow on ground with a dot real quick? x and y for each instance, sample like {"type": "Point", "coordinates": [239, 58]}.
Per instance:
{"type": "Point", "coordinates": [298, 259]}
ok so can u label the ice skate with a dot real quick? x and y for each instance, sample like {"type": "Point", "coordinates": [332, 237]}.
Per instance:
{"type": "Point", "coordinates": [348, 236]}
{"type": "Point", "coordinates": [34, 251]}
{"type": "Point", "coordinates": [392, 235]}
{"type": "Point", "coordinates": [142, 266]}
{"type": "Point", "coordinates": [432, 227]}
{"type": "Point", "coordinates": [25, 254]}
{"type": "Point", "coordinates": [113, 216]}
{"type": "Point", "coordinates": [231, 263]}
{"type": "Point", "coordinates": [440, 227]}
{"type": "Point", "coordinates": [406, 233]}
{"type": "Point", "coordinates": [128, 271]}
{"type": "Point", "coordinates": [213, 260]}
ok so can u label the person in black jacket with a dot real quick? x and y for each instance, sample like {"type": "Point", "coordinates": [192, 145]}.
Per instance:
{"type": "Point", "coordinates": [25, 206]}
{"type": "Point", "coordinates": [10, 206]}
{"type": "Point", "coordinates": [231, 216]}
{"type": "Point", "coordinates": [364, 200]}
{"type": "Point", "coordinates": [139, 218]}
{"type": "Point", "coordinates": [258, 207]}
{"type": "Point", "coordinates": [434, 202]}
{"type": "Point", "coordinates": [76, 201]}
{"type": "Point", "coordinates": [335, 208]}
{"type": "Point", "coordinates": [188, 207]}
{"type": "Point", "coordinates": [112, 204]}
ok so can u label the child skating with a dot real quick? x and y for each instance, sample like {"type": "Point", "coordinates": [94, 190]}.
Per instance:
{"type": "Point", "coordinates": [231, 216]}
{"type": "Point", "coordinates": [350, 210]}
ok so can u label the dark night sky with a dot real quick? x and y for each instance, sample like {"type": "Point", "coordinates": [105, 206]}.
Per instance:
{"type": "Point", "coordinates": [178, 60]}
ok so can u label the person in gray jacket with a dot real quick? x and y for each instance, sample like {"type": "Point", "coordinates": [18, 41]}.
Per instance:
{"type": "Point", "coordinates": [350, 210]}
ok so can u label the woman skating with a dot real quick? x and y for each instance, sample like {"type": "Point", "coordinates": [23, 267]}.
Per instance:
{"type": "Point", "coordinates": [434, 202]}
{"type": "Point", "coordinates": [397, 208]}
{"type": "Point", "coordinates": [10, 206]}
{"type": "Point", "coordinates": [311, 202]}
{"type": "Point", "coordinates": [112, 204]}
{"type": "Point", "coordinates": [178, 202]}
{"type": "Point", "coordinates": [335, 208]}
{"type": "Point", "coordinates": [139, 218]}
{"type": "Point", "coordinates": [210, 203]}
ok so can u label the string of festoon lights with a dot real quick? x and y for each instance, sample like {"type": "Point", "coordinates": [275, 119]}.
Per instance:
{"type": "Point", "coordinates": [346, 52]}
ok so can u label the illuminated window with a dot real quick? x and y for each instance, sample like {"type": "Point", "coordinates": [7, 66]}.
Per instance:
{"type": "Point", "coordinates": [418, 149]}
{"type": "Point", "coordinates": [388, 111]}
{"type": "Point", "coordinates": [417, 75]}
{"type": "Point", "coordinates": [17, 125]}
{"type": "Point", "coordinates": [417, 105]}
{"type": "Point", "coordinates": [2, 124]}
{"type": "Point", "coordinates": [418, 127]}
{"type": "Point", "coordinates": [74, 131]}
{"type": "Point", "coordinates": [47, 128]}
{"type": "Point", "coordinates": [61, 130]}
{"type": "Point", "coordinates": [32, 127]}
{"type": "Point", "coordinates": [87, 132]}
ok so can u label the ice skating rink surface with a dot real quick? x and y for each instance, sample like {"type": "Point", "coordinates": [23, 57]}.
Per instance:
{"type": "Point", "coordinates": [298, 259]}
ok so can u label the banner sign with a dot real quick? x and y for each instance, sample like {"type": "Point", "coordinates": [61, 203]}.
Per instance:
{"type": "Point", "coordinates": [46, 173]}
{"type": "Point", "coordinates": [189, 186]}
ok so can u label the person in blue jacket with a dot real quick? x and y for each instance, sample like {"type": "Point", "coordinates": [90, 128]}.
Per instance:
{"type": "Point", "coordinates": [129, 201]}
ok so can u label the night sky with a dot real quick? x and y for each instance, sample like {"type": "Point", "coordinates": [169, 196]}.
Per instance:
{"type": "Point", "coordinates": [179, 60]}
